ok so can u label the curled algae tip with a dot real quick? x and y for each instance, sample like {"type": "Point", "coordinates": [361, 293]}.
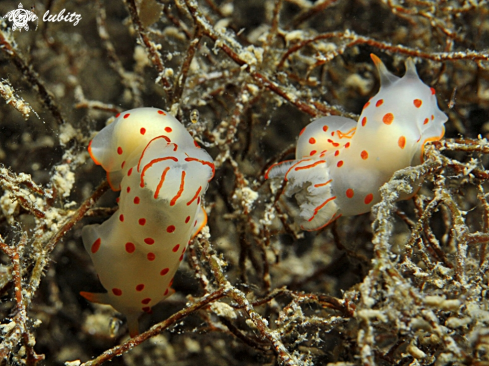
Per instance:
{"type": "Point", "coordinates": [341, 164]}
{"type": "Point", "coordinates": [161, 173]}
{"type": "Point", "coordinates": [194, 116]}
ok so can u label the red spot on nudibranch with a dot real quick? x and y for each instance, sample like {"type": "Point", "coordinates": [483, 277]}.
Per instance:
{"type": "Point", "coordinates": [368, 198]}
{"type": "Point", "coordinates": [426, 120]}
{"type": "Point", "coordinates": [168, 129]}
{"type": "Point", "coordinates": [140, 287]}
{"type": "Point", "coordinates": [379, 102]}
{"type": "Point", "coordinates": [195, 223]}
{"type": "Point", "coordinates": [433, 91]}
{"type": "Point", "coordinates": [347, 145]}
{"type": "Point", "coordinates": [175, 248]}
{"type": "Point", "coordinates": [119, 150]}
{"type": "Point", "coordinates": [196, 145]}
{"type": "Point", "coordinates": [123, 163]}
{"type": "Point", "coordinates": [147, 309]}
{"type": "Point", "coordinates": [121, 217]}
{"type": "Point", "coordinates": [432, 117]}
{"type": "Point", "coordinates": [170, 229]}
{"type": "Point", "coordinates": [417, 103]}
{"type": "Point", "coordinates": [166, 292]}
{"type": "Point", "coordinates": [151, 256]}
{"type": "Point", "coordinates": [337, 152]}
{"type": "Point", "coordinates": [146, 301]}
{"type": "Point", "coordinates": [142, 131]}
{"type": "Point", "coordinates": [366, 105]}
{"type": "Point", "coordinates": [364, 121]}
{"type": "Point", "coordinates": [325, 128]}
{"type": "Point", "coordinates": [161, 112]}
{"type": "Point", "coordinates": [187, 219]}
{"type": "Point", "coordinates": [128, 189]}
{"type": "Point", "coordinates": [117, 115]}
{"type": "Point", "coordinates": [142, 222]}
{"type": "Point", "coordinates": [312, 140]}
{"type": "Point", "coordinates": [313, 152]}
{"type": "Point", "coordinates": [349, 193]}
{"type": "Point", "coordinates": [388, 118]}
{"type": "Point", "coordinates": [96, 245]}
{"type": "Point", "coordinates": [181, 257]}
{"type": "Point", "coordinates": [164, 271]}
{"type": "Point", "coordinates": [198, 200]}
{"type": "Point", "coordinates": [149, 241]}
{"type": "Point", "coordinates": [401, 142]}
{"type": "Point", "coordinates": [117, 291]}
{"type": "Point", "coordinates": [126, 115]}
{"type": "Point", "coordinates": [302, 131]}
{"type": "Point", "coordinates": [130, 247]}
{"type": "Point", "coordinates": [137, 200]}
{"type": "Point", "coordinates": [364, 154]}
{"type": "Point", "coordinates": [129, 172]}
{"type": "Point", "coordinates": [339, 164]}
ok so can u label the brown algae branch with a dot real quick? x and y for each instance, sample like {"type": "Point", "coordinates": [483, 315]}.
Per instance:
{"type": "Point", "coordinates": [156, 329]}
{"type": "Point", "coordinates": [32, 77]}
{"type": "Point", "coordinates": [355, 39]}
{"type": "Point", "coordinates": [153, 53]}
{"type": "Point", "coordinates": [261, 79]}
{"type": "Point", "coordinates": [42, 260]}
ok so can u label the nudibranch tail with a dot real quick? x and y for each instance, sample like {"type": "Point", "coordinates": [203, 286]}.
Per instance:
{"type": "Point", "coordinates": [341, 164]}
{"type": "Point", "coordinates": [162, 175]}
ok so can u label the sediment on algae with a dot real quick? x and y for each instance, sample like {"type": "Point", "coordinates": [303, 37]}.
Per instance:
{"type": "Point", "coordinates": [404, 285]}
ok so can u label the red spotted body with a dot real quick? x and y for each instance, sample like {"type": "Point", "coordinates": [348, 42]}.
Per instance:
{"type": "Point", "coordinates": [162, 174]}
{"type": "Point", "coordinates": [341, 164]}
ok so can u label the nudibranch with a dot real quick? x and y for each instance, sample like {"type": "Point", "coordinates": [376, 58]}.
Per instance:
{"type": "Point", "coordinates": [162, 174]}
{"type": "Point", "coordinates": [341, 164]}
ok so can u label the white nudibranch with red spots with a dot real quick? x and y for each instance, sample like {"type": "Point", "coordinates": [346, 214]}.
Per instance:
{"type": "Point", "coordinates": [341, 164]}
{"type": "Point", "coordinates": [162, 173]}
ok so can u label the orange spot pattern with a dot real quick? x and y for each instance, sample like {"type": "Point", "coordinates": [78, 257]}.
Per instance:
{"type": "Point", "coordinates": [349, 193]}
{"type": "Point", "coordinates": [364, 155]}
{"type": "Point", "coordinates": [96, 245]}
{"type": "Point", "coordinates": [388, 118]}
{"type": "Point", "coordinates": [401, 142]}
{"type": "Point", "coordinates": [130, 248]}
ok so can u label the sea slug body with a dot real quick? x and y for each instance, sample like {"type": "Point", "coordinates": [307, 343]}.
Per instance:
{"type": "Point", "coordinates": [341, 164]}
{"type": "Point", "coordinates": [162, 174]}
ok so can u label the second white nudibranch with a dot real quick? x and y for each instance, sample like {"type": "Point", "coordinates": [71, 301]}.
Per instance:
{"type": "Point", "coordinates": [162, 173]}
{"type": "Point", "coordinates": [341, 164]}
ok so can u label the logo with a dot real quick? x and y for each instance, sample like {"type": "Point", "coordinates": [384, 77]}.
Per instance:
{"type": "Point", "coordinates": [20, 17]}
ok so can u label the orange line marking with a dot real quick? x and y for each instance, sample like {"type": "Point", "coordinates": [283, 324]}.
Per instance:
{"type": "Point", "coordinates": [150, 141]}
{"type": "Point", "coordinates": [154, 161]}
{"type": "Point", "coordinates": [347, 134]}
{"type": "Point", "coordinates": [310, 165]}
{"type": "Point", "coordinates": [160, 184]}
{"type": "Point", "coordinates": [323, 184]}
{"type": "Point", "coordinates": [180, 190]}
{"type": "Point", "coordinates": [195, 196]}
{"type": "Point", "coordinates": [316, 210]}
{"type": "Point", "coordinates": [203, 162]}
